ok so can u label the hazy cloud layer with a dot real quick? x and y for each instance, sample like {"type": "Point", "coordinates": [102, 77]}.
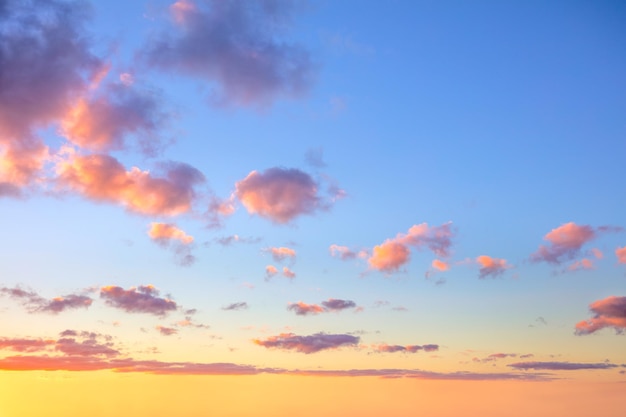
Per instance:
{"type": "Point", "coordinates": [143, 299]}
{"type": "Point", "coordinates": [236, 47]}
{"type": "Point", "coordinates": [308, 344]}
{"type": "Point", "coordinates": [608, 312]}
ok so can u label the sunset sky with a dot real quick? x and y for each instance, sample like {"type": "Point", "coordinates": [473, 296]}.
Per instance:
{"type": "Point", "coordinates": [337, 208]}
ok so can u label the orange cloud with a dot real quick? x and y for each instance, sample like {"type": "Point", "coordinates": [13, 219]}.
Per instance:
{"type": "Point", "coordinates": [166, 232]}
{"type": "Point", "coordinates": [288, 273]}
{"type": "Point", "coordinates": [608, 312]}
{"type": "Point", "coordinates": [103, 178]}
{"type": "Point", "coordinates": [491, 266]}
{"type": "Point", "coordinates": [270, 271]}
{"type": "Point", "coordinates": [303, 309]}
{"type": "Point", "coordinates": [565, 243]}
{"type": "Point", "coordinates": [440, 265]}
{"type": "Point", "coordinates": [278, 194]}
{"type": "Point", "coordinates": [389, 256]}
{"type": "Point", "coordinates": [621, 255]}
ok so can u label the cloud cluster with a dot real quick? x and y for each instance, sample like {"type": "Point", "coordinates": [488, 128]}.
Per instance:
{"type": "Point", "coordinates": [236, 47]}
{"type": "Point", "coordinates": [608, 312]}
{"type": "Point", "coordinates": [143, 299]}
{"type": "Point", "coordinates": [308, 344]}
{"type": "Point", "coordinates": [271, 271]}
{"type": "Point", "coordinates": [390, 255]}
{"type": "Point", "coordinates": [34, 303]}
{"type": "Point", "coordinates": [385, 348]}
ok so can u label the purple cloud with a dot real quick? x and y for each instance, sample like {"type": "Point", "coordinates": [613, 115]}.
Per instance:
{"type": "Point", "coordinates": [37, 304]}
{"type": "Point", "coordinates": [333, 304]}
{"type": "Point", "coordinates": [608, 312]}
{"type": "Point", "coordinates": [308, 344]}
{"type": "Point", "coordinates": [236, 306]}
{"type": "Point", "coordinates": [235, 47]}
{"type": "Point", "coordinates": [137, 300]}
{"type": "Point", "coordinates": [560, 366]}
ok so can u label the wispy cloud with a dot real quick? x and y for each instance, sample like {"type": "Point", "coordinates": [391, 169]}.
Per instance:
{"type": "Point", "coordinates": [308, 344]}
{"type": "Point", "coordinates": [304, 309]}
{"type": "Point", "coordinates": [167, 235]}
{"type": "Point", "coordinates": [236, 47]}
{"type": "Point", "coordinates": [561, 366]}
{"type": "Point", "coordinates": [236, 306]}
{"type": "Point", "coordinates": [385, 348]}
{"type": "Point", "coordinates": [608, 312]}
{"type": "Point", "coordinates": [345, 253]}
{"type": "Point", "coordinates": [330, 305]}
{"type": "Point", "coordinates": [34, 303]}
{"type": "Point", "coordinates": [143, 299]}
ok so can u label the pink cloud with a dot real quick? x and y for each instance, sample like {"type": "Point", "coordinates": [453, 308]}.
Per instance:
{"type": "Point", "coordinates": [597, 253]}
{"type": "Point", "coordinates": [440, 265]}
{"type": "Point", "coordinates": [270, 271]}
{"type": "Point", "coordinates": [621, 255]}
{"type": "Point", "coordinates": [103, 178]}
{"type": "Point", "coordinates": [25, 345]}
{"type": "Point", "coordinates": [288, 273]}
{"type": "Point", "coordinates": [166, 331]}
{"type": "Point", "coordinates": [583, 264]}
{"type": "Point", "coordinates": [303, 309]}
{"type": "Point", "coordinates": [385, 348]}
{"type": "Point", "coordinates": [279, 194]}
{"type": "Point", "coordinates": [491, 267]}
{"type": "Point", "coordinates": [394, 253]}
{"type": "Point", "coordinates": [566, 241]}
{"type": "Point", "coordinates": [308, 344]}
{"type": "Point", "coordinates": [169, 236]}
{"type": "Point", "coordinates": [345, 253]}
{"type": "Point", "coordinates": [88, 344]}
{"type": "Point", "coordinates": [236, 47]}
{"type": "Point", "coordinates": [608, 312]}
{"type": "Point", "coordinates": [137, 300]}
{"type": "Point", "coordinates": [281, 253]}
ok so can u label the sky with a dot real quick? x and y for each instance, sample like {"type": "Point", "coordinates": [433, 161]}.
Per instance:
{"type": "Point", "coordinates": [261, 208]}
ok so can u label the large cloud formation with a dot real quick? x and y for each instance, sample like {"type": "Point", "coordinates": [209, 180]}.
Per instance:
{"type": "Point", "coordinates": [236, 46]}
{"type": "Point", "coordinates": [143, 299]}
{"type": "Point", "coordinates": [279, 194]}
{"type": "Point", "coordinates": [390, 255]}
{"type": "Point", "coordinates": [46, 64]}
{"type": "Point", "coordinates": [608, 312]}
{"type": "Point", "coordinates": [308, 344]}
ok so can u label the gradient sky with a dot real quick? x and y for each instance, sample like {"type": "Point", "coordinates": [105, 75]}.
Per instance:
{"type": "Point", "coordinates": [261, 208]}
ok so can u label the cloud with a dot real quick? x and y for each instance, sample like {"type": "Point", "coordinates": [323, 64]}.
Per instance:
{"type": "Point", "coordinates": [46, 63]}
{"type": "Point", "coordinates": [281, 253]}
{"type": "Point", "coordinates": [34, 303]}
{"type": "Point", "coordinates": [566, 241]}
{"type": "Point", "coordinates": [345, 253]}
{"type": "Point", "coordinates": [621, 255]}
{"type": "Point", "coordinates": [491, 267]}
{"type": "Point", "coordinates": [103, 178]}
{"type": "Point", "coordinates": [308, 344]}
{"type": "Point", "coordinates": [334, 304]}
{"type": "Point", "coordinates": [560, 366]}
{"type": "Point", "coordinates": [169, 236]}
{"type": "Point", "coordinates": [288, 273]}
{"type": "Point", "coordinates": [24, 345]}
{"type": "Point", "coordinates": [440, 265]}
{"type": "Point", "coordinates": [137, 300]}
{"type": "Point", "coordinates": [235, 47]}
{"type": "Point", "coordinates": [279, 194]}
{"type": "Point", "coordinates": [608, 312]}
{"type": "Point", "coordinates": [270, 271]}
{"type": "Point", "coordinates": [394, 253]}
{"type": "Point", "coordinates": [71, 343]}
{"type": "Point", "coordinates": [104, 121]}
{"type": "Point", "coordinates": [219, 208]}
{"type": "Point", "coordinates": [583, 264]}
{"type": "Point", "coordinates": [166, 331]}
{"type": "Point", "coordinates": [497, 356]}
{"type": "Point", "coordinates": [385, 348]}
{"type": "Point", "coordinates": [229, 240]}
{"type": "Point", "coordinates": [236, 306]}
{"type": "Point", "coordinates": [303, 309]}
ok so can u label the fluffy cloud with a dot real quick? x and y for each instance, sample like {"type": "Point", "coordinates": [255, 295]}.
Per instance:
{"type": "Point", "coordinates": [608, 312]}
{"type": "Point", "coordinates": [104, 178]}
{"type": "Point", "coordinates": [104, 122]}
{"type": "Point", "coordinates": [385, 348]}
{"type": "Point", "coordinates": [143, 299]}
{"type": "Point", "coordinates": [491, 267]}
{"type": "Point", "coordinates": [281, 253]}
{"type": "Point", "coordinates": [560, 366]}
{"type": "Point", "coordinates": [45, 63]}
{"type": "Point", "coordinates": [308, 344]}
{"type": "Point", "coordinates": [566, 241]}
{"type": "Point", "coordinates": [621, 255]}
{"type": "Point", "coordinates": [279, 194]}
{"type": "Point", "coordinates": [37, 304]}
{"type": "Point", "coordinates": [394, 253]}
{"type": "Point", "coordinates": [235, 46]}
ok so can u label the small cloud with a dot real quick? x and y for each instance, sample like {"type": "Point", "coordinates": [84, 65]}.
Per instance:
{"type": "Point", "coordinates": [288, 273]}
{"type": "Point", "coordinates": [385, 348]}
{"type": "Point", "coordinates": [169, 236]}
{"type": "Point", "coordinates": [143, 299]}
{"type": "Point", "coordinates": [308, 344]}
{"type": "Point", "coordinates": [334, 304]}
{"type": "Point", "coordinates": [560, 366]}
{"type": "Point", "coordinates": [621, 255]}
{"type": "Point", "coordinates": [303, 309]}
{"type": "Point", "coordinates": [281, 253]}
{"type": "Point", "coordinates": [236, 306]}
{"type": "Point", "coordinates": [583, 264]}
{"type": "Point", "coordinates": [608, 312]}
{"type": "Point", "coordinates": [491, 267]}
{"type": "Point", "coordinates": [229, 240]}
{"type": "Point", "coordinates": [345, 253]}
{"type": "Point", "coordinates": [166, 331]}
{"type": "Point", "coordinates": [270, 271]}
